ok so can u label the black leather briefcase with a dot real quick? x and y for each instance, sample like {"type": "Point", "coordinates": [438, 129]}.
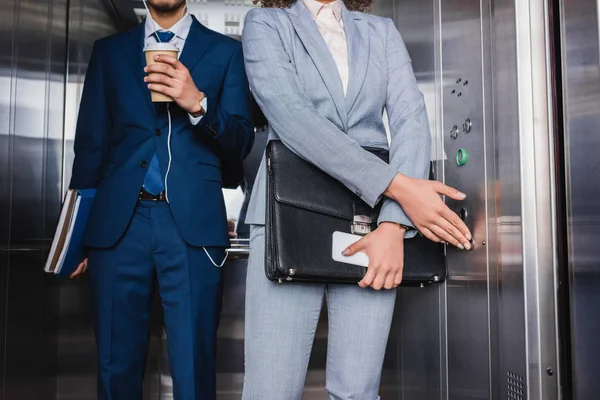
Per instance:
{"type": "Point", "coordinates": [305, 206]}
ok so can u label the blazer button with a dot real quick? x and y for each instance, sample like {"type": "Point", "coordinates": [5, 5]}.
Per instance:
{"type": "Point", "coordinates": [143, 164]}
{"type": "Point", "coordinates": [158, 132]}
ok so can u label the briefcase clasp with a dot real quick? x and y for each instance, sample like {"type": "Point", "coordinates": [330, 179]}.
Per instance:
{"type": "Point", "coordinates": [361, 225]}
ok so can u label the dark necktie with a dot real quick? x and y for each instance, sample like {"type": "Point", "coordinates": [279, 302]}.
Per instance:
{"type": "Point", "coordinates": [164, 36]}
{"type": "Point", "coordinates": [153, 182]}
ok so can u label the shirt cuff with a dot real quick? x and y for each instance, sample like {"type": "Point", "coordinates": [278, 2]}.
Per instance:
{"type": "Point", "coordinates": [196, 120]}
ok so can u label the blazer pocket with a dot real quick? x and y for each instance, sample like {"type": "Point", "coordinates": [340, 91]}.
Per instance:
{"type": "Point", "coordinates": [210, 173]}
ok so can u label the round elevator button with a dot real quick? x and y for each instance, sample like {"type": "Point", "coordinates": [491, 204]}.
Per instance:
{"type": "Point", "coordinates": [463, 214]}
{"type": "Point", "coordinates": [467, 125]}
{"type": "Point", "coordinates": [454, 132]}
{"type": "Point", "coordinates": [461, 157]}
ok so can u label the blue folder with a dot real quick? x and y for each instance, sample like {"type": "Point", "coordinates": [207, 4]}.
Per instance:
{"type": "Point", "coordinates": [67, 250]}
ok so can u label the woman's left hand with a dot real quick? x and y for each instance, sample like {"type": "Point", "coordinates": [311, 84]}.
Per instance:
{"type": "Point", "coordinates": [385, 249]}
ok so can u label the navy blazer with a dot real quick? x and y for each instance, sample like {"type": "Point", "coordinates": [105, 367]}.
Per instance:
{"type": "Point", "coordinates": [119, 129]}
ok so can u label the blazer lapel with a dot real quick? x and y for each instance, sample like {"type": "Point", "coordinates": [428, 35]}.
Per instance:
{"type": "Point", "coordinates": [134, 47]}
{"type": "Point", "coordinates": [317, 49]}
{"type": "Point", "coordinates": [196, 45]}
{"type": "Point", "coordinates": [357, 35]}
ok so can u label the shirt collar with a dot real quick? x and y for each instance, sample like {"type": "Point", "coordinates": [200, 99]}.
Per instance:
{"type": "Point", "coordinates": [315, 7]}
{"type": "Point", "coordinates": [180, 29]}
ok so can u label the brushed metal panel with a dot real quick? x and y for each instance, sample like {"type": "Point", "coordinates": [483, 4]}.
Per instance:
{"type": "Point", "coordinates": [7, 24]}
{"type": "Point", "coordinates": [421, 313]}
{"type": "Point", "coordinates": [421, 351]}
{"type": "Point", "coordinates": [467, 284]}
{"type": "Point", "coordinates": [581, 97]}
{"type": "Point", "coordinates": [54, 131]}
{"type": "Point", "coordinates": [7, 16]}
{"type": "Point", "coordinates": [87, 21]}
{"type": "Point", "coordinates": [31, 297]}
{"type": "Point", "coordinates": [507, 293]}
{"type": "Point", "coordinates": [537, 188]}
{"type": "Point", "coordinates": [31, 48]}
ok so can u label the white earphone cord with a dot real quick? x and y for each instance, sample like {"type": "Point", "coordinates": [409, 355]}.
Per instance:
{"type": "Point", "coordinates": [213, 261]}
{"type": "Point", "coordinates": [170, 157]}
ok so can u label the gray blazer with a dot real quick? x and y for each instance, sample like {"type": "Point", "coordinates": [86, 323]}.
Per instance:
{"type": "Point", "coordinates": [295, 81]}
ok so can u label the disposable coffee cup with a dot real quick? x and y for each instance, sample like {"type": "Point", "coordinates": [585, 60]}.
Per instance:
{"type": "Point", "coordinates": [152, 50]}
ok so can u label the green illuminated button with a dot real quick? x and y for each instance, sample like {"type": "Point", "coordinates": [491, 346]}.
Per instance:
{"type": "Point", "coordinates": [461, 157]}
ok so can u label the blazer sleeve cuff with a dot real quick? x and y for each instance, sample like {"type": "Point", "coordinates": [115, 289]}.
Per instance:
{"type": "Point", "coordinates": [392, 212]}
{"type": "Point", "coordinates": [196, 120]}
{"type": "Point", "coordinates": [375, 184]}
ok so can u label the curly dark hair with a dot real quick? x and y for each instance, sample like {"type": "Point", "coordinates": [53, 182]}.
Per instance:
{"type": "Point", "coordinates": [352, 5]}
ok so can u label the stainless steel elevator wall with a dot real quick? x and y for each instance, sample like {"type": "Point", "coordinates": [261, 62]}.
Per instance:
{"type": "Point", "coordinates": [481, 66]}
{"type": "Point", "coordinates": [415, 347]}
{"type": "Point", "coordinates": [581, 94]}
{"type": "Point", "coordinates": [31, 73]}
{"type": "Point", "coordinates": [33, 61]}
{"type": "Point", "coordinates": [88, 21]}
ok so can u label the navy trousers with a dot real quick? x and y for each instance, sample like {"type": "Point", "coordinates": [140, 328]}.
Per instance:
{"type": "Point", "coordinates": [123, 279]}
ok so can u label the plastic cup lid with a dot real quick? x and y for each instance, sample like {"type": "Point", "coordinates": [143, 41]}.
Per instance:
{"type": "Point", "coordinates": [161, 47]}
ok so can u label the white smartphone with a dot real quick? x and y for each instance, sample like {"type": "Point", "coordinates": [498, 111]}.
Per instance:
{"type": "Point", "coordinates": [342, 240]}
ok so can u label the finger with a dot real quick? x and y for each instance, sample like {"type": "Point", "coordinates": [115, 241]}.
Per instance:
{"type": "Point", "coordinates": [429, 235]}
{"type": "Point", "coordinates": [389, 281]}
{"type": "Point", "coordinates": [174, 62]}
{"type": "Point", "coordinates": [446, 236]}
{"type": "Point", "coordinates": [449, 191]}
{"type": "Point", "coordinates": [161, 79]}
{"type": "Point", "coordinates": [455, 220]}
{"type": "Point", "coordinates": [161, 69]}
{"type": "Point", "coordinates": [157, 87]}
{"type": "Point", "coordinates": [380, 279]}
{"type": "Point", "coordinates": [453, 235]}
{"type": "Point", "coordinates": [398, 279]}
{"type": "Point", "coordinates": [354, 248]}
{"type": "Point", "coordinates": [369, 277]}
{"type": "Point", "coordinates": [77, 271]}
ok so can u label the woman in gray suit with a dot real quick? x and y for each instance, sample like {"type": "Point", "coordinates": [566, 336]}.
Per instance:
{"type": "Point", "coordinates": [323, 72]}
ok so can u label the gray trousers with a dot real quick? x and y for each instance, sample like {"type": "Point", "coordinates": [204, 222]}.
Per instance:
{"type": "Point", "coordinates": [281, 320]}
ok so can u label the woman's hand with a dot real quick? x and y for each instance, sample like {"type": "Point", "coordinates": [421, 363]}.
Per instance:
{"type": "Point", "coordinates": [420, 200]}
{"type": "Point", "coordinates": [385, 249]}
{"type": "Point", "coordinates": [80, 270]}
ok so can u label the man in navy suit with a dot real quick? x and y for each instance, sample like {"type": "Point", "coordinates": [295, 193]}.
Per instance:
{"type": "Point", "coordinates": [159, 213]}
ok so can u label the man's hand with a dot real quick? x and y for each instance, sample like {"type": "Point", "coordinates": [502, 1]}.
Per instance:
{"type": "Point", "coordinates": [80, 270]}
{"type": "Point", "coordinates": [170, 77]}
{"type": "Point", "coordinates": [231, 228]}
{"type": "Point", "coordinates": [420, 199]}
{"type": "Point", "coordinates": [385, 249]}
